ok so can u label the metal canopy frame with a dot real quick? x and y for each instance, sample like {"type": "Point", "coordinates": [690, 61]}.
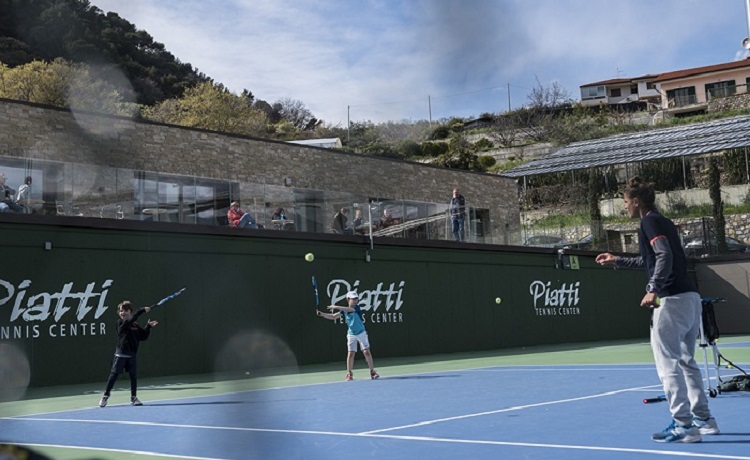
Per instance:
{"type": "Point", "coordinates": [678, 141]}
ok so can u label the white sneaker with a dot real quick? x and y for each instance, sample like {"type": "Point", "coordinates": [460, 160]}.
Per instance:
{"type": "Point", "coordinates": [135, 401]}
{"type": "Point", "coordinates": [707, 426]}
{"type": "Point", "coordinates": [678, 433]}
{"type": "Point", "coordinates": [103, 401]}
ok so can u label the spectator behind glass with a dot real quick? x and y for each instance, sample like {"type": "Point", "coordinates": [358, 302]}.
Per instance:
{"type": "Point", "coordinates": [7, 201]}
{"type": "Point", "coordinates": [358, 222]}
{"type": "Point", "coordinates": [22, 198]}
{"type": "Point", "coordinates": [238, 218]}
{"type": "Point", "coordinates": [458, 214]}
{"type": "Point", "coordinates": [357, 218]}
{"type": "Point", "coordinates": [387, 220]}
{"type": "Point", "coordinates": [281, 221]}
{"type": "Point", "coordinates": [339, 222]}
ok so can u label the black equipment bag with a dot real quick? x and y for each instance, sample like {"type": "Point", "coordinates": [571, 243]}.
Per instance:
{"type": "Point", "coordinates": [710, 329]}
{"type": "Point", "coordinates": [738, 383]}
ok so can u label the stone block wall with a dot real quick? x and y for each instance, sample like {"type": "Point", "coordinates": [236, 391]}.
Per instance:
{"type": "Point", "coordinates": [32, 131]}
{"type": "Point", "coordinates": [734, 102]}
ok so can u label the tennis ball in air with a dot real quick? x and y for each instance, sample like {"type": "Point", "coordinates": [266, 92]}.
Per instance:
{"type": "Point", "coordinates": [309, 257]}
{"type": "Point", "coordinates": [498, 300]}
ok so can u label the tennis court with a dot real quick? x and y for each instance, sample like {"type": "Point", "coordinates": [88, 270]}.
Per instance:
{"type": "Point", "coordinates": [565, 402]}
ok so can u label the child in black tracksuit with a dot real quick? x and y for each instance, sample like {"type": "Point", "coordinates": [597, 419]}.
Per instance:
{"type": "Point", "coordinates": [129, 335]}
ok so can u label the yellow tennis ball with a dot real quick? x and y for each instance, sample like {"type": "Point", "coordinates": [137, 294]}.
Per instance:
{"type": "Point", "coordinates": [309, 257]}
{"type": "Point", "coordinates": [498, 300]}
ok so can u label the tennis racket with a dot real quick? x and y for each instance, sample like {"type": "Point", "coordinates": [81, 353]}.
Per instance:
{"type": "Point", "coordinates": [167, 298]}
{"type": "Point", "coordinates": [654, 400]}
{"type": "Point", "coordinates": [315, 292]}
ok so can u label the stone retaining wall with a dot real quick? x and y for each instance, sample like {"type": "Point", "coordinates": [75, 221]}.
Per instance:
{"type": "Point", "coordinates": [33, 131]}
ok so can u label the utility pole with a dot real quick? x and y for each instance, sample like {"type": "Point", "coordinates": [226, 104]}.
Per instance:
{"type": "Point", "coordinates": [429, 106]}
{"type": "Point", "coordinates": [348, 127]}
{"type": "Point", "coordinates": [509, 93]}
{"type": "Point", "coordinates": [746, 41]}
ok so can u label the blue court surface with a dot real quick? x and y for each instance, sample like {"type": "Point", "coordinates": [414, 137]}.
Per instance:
{"type": "Point", "coordinates": [571, 411]}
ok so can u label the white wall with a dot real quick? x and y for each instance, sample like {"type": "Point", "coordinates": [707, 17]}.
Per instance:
{"type": "Point", "coordinates": [732, 194]}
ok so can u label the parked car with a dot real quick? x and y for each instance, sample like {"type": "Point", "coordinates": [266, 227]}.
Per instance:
{"type": "Point", "coordinates": [697, 247]}
{"type": "Point", "coordinates": [585, 243]}
{"type": "Point", "coordinates": [546, 241]}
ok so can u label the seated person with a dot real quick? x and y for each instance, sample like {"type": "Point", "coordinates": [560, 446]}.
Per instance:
{"type": "Point", "coordinates": [387, 220]}
{"type": "Point", "coordinates": [280, 215]}
{"type": "Point", "coordinates": [7, 201]}
{"type": "Point", "coordinates": [358, 222]}
{"type": "Point", "coordinates": [339, 223]}
{"type": "Point", "coordinates": [239, 219]}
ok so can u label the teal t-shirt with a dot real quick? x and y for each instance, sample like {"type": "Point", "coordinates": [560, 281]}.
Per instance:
{"type": "Point", "coordinates": [354, 321]}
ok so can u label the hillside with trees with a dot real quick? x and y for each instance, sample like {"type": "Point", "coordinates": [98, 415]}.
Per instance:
{"type": "Point", "coordinates": [69, 53]}
{"type": "Point", "coordinates": [78, 32]}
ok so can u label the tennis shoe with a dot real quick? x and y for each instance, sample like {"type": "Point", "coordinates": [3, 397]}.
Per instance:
{"type": "Point", "coordinates": [349, 376]}
{"type": "Point", "coordinates": [374, 375]}
{"type": "Point", "coordinates": [678, 433]}
{"type": "Point", "coordinates": [706, 426]}
{"type": "Point", "coordinates": [103, 401]}
{"type": "Point", "coordinates": [135, 401]}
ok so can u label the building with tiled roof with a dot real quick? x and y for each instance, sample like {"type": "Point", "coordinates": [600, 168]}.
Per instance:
{"type": "Point", "coordinates": [619, 91]}
{"type": "Point", "coordinates": [690, 90]}
{"type": "Point", "coordinates": [680, 91]}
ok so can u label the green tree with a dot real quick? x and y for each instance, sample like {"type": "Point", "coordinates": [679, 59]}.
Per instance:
{"type": "Point", "coordinates": [211, 106]}
{"type": "Point", "coordinates": [486, 162]}
{"type": "Point", "coordinates": [272, 113]}
{"type": "Point", "coordinates": [14, 52]}
{"type": "Point", "coordinates": [461, 154]}
{"type": "Point", "coordinates": [483, 145]}
{"type": "Point", "coordinates": [63, 84]}
{"type": "Point", "coordinates": [361, 134]}
{"type": "Point", "coordinates": [381, 149]}
{"type": "Point", "coordinates": [440, 132]}
{"type": "Point", "coordinates": [433, 149]}
{"type": "Point", "coordinates": [408, 148]}
{"type": "Point", "coordinates": [79, 32]}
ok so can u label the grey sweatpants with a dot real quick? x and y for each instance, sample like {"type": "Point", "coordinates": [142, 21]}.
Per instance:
{"type": "Point", "coordinates": [675, 330]}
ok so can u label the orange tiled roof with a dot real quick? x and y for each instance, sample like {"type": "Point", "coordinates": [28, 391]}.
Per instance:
{"type": "Point", "coordinates": [701, 70]}
{"type": "Point", "coordinates": [614, 81]}
{"type": "Point", "coordinates": [622, 81]}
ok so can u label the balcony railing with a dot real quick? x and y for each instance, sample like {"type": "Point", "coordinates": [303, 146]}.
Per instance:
{"type": "Point", "coordinates": [683, 101]}
{"type": "Point", "coordinates": [92, 191]}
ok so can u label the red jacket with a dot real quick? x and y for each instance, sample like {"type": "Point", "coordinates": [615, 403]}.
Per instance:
{"type": "Point", "coordinates": [234, 216]}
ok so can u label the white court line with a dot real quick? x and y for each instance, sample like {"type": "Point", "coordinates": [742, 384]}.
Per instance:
{"type": "Point", "coordinates": [409, 438]}
{"type": "Point", "coordinates": [561, 368]}
{"type": "Point", "coordinates": [123, 451]}
{"type": "Point", "coordinates": [509, 409]}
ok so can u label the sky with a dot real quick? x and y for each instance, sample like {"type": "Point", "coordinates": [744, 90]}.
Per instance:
{"type": "Point", "coordinates": [409, 60]}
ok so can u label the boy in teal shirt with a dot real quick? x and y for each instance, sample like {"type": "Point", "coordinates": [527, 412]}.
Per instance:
{"type": "Point", "coordinates": [355, 333]}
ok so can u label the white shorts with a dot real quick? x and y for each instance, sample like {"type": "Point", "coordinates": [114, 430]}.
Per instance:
{"type": "Point", "coordinates": [351, 342]}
